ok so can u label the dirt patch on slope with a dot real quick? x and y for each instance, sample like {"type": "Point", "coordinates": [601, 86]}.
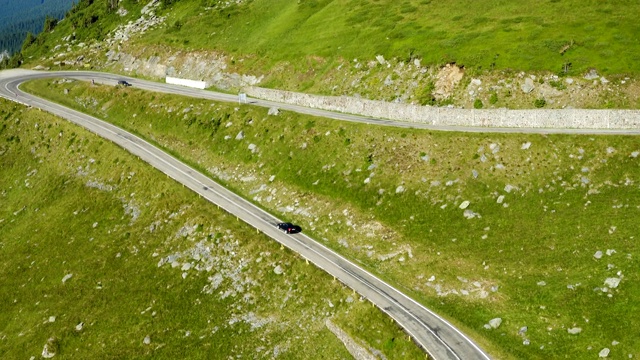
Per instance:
{"type": "Point", "coordinates": [448, 77]}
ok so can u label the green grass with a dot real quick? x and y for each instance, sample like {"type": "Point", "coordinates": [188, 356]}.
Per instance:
{"type": "Point", "coordinates": [547, 229]}
{"type": "Point", "coordinates": [74, 204]}
{"type": "Point", "coordinates": [526, 36]}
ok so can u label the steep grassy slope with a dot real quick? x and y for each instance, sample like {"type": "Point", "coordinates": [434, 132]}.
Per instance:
{"type": "Point", "coordinates": [537, 230]}
{"type": "Point", "coordinates": [102, 257]}
{"type": "Point", "coordinates": [523, 35]}
{"type": "Point", "coordinates": [384, 50]}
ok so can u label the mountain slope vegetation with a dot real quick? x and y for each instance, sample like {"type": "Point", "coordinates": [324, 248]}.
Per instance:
{"type": "Point", "coordinates": [537, 230]}
{"type": "Point", "coordinates": [17, 18]}
{"type": "Point", "coordinates": [103, 257]}
{"type": "Point", "coordinates": [578, 54]}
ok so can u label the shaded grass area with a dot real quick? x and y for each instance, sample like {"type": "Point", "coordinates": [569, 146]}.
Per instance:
{"type": "Point", "coordinates": [100, 252]}
{"type": "Point", "coordinates": [374, 192]}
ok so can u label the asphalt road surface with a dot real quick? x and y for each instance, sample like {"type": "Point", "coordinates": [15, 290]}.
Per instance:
{"type": "Point", "coordinates": [434, 334]}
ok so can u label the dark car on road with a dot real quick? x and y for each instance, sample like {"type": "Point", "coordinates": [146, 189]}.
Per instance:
{"type": "Point", "coordinates": [123, 83]}
{"type": "Point", "coordinates": [289, 228]}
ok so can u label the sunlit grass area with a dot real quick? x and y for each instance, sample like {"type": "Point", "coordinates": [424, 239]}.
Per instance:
{"type": "Point", "coordinates": [103, 257]}
{"type": "Point", "coordinates": [537, 230]}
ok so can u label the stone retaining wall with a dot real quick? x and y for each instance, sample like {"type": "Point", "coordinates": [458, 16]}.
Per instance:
{"type": "Point", "coordinates": [531, 118]}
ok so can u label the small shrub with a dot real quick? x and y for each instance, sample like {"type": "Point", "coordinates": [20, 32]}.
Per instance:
{"type": "Point", "coordinates": [557, 84]}
{"type": "Point", "coordinates": [493, 99]}
{"type": "Point", "coordinates": [477, 104]}
{"type": "Point", "coordinates": [425, 95]}
{"type": "Point", "coordinates": [539, 103]}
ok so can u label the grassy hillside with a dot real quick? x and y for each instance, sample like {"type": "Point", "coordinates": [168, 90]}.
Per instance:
{"type": "Point", "coordinates": [524, 35]}
{"type": "Point", "coordinates": [536, 230]}
{"type": "Point", "coordinates": [102, 257]}
{"type": "Point", "coordinates": [383, 50]}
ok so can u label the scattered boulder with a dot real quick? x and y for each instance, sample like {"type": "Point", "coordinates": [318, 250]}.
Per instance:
{"type": "Point", "coordinates": [278, 270]}
{"type": "Point", "coordinates": [598, 254]}
{"type": "Point", "coordinates": [612, 282]}
{"type": "Point", "coordinates": [50, 348]}
{"type": "Point", "coordinates": [495, 323]}
{"type": "Point", "coordinates": [528, 86]}
{"type": "Point", "coordinates": [470, 214]}
{"type": "Point", "coordinates": [273, 111]}
{"type": "Point", "coordinates": [465, 204]}
{"type": "Point", "coordinates": [574, 330]}
{"type": "Point", "coordinates": [604, 353]}
{"type": "Point", "coordinates": [146, 340]}
{"type": "Point", "coordinates": [66, 277]}
{"type": "Point", "coordinates": [592, 75]}
{"type": "Point", "coordinates": [240, 135]}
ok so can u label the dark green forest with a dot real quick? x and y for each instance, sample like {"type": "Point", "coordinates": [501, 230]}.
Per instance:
{"type": "Point", "coordinates": [20, 18]}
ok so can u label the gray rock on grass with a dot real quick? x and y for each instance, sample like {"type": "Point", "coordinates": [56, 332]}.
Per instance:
{"type": "Point", "coordinates": [495, 323]}
{"type": "Point", "coordinates": [528, 86]}
{"type": "Point", "coordinates": [592, 75]}
{"type": "Point", "coordinates": [612, 282]}
{"type": "Point", "coordinates": [278, 270]}
{"type": "Point", "coordinates": [574, 330]}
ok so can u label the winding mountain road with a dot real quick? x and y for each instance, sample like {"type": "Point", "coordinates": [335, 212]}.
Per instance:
{"type": "Point", "coordinates": [435, 335]}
